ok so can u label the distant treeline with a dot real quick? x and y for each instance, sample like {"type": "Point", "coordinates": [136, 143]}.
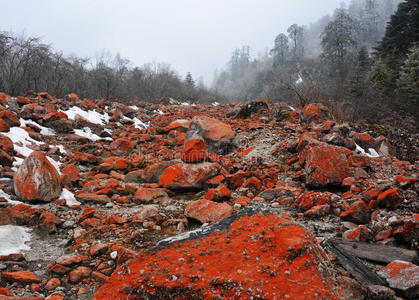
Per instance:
{"type": "Point", "coordinates": [362, 62]}
{"type": "Point", "coordinates": [26, 63]}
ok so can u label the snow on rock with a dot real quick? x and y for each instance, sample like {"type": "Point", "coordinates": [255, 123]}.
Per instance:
{"type": "Point", "coordinates": [87, 133]}
{"type": "Point", "coordinates": [69, 198]}
{"type": "Point", "coordinates": [139, 124]}
{"type": "Point", "coordinates": [371, 151]}
{"type": "Point", "coordinates": [44, 130]}
{"type": "Point", "coordinates": [92, 115]}
{"type": "Point", "coordinates": [7, 197]}
{"type": "Point", "coordinates": [13, 239]}
{"type": "Point", "coordinates": [19, 135]}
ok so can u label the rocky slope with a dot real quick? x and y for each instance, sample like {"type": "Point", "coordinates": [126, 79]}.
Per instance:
{"type": "Point", "coordinates": [107, 201]}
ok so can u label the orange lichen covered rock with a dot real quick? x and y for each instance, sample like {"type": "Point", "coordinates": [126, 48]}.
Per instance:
{"type": "Point", "coordinates": [37, 179]}
{"type": "Point", "coordinates": [194, 151]}
{"type": "Point", "coordinates": [325, 165]}
{"type": "Point", "coordinates": [178, 125]}
{"type": "Point", "coordinates": [216, 134]}
{"type": "Point", "coordinates": [250, 255]}
{"type": "Point", "coordinates": [206, 211]}
{"type": "Point", "coordinates": [314, 112]}
{"type": "Point", "coordinates": [188, 176]}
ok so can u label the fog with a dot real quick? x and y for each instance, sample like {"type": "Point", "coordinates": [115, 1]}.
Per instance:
{"type": "Point", "coordinates": [195, 36]}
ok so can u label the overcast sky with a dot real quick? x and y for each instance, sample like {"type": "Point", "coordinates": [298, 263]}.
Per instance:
{"type": "Point", "coordinates": [192, 35]}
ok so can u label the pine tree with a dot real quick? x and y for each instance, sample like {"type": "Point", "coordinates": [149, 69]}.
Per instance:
{"type": "Point", "coordinates": [189, 80]}
{"type": "Point", "coordinates": [401, 33]}
{"type": "Point", "coordinates": [408, 82]}
{"type": "Point", "coordinates": [338, 43]}
{"type": "Point", "coordinates": [280, 50]}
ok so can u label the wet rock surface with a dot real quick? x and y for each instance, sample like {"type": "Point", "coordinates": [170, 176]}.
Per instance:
{"type": "Point", "coordinates": [199, 201]}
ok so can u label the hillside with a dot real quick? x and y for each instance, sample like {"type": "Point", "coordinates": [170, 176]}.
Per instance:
{"type": "Point", "coordinates": [107, 201]}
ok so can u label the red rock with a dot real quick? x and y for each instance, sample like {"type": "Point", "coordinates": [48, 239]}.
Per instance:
{"type": "Point", "coordinates": [389, 199]}
{"type": "Point", "coordinates": [98, 249]}
{"type": "Point", "coordinates": [408, 231]}
{"type": "Point", "coordinates": [99, 277]}
{"type": "Point", "coordinates": [90, 197]}
{"type": "Point", "coordinates": [220, 193]}
{"type": "Point", "coordinates": [87, 213]}
{"type": "Point", "coordinates": [8, 117]}
{"type": "Point", "coordinates": [6, 144]}
{"type": "Point", "coordinates": [314, 113]}
{"type": "Point", "coordinates": [78, 274]}
{"type": "Point", "coordinates": [371, 194]}
{"type": "Point", "coordinates": [87, 104]}
{"type": "Point", "coordinates": [253, 183]}
{"type": "Point", "coordinates": [308, 200]}
{"type": "Point", "coordinates": [37, 179]}
{"type": "Point", "coordinates": [52, 284]}
{"type": "Point", "coordinates": [92, 222]}
{"type": "Point", "coordinates": [4, 127]}
{"type": "Point", "coordinates": [82, 157]}
{"type": "Point", "coordinates": [59, 269]}
{"type": "Point", "coordinates": [116, 219]}
{"type": "Point", "coordinates": [178, 125]}
{"type": "Point", "coordinates": [357, 213]}
{"type": "Point", "coordinates": [69, 175]}
{"type": "Point", "coordinates": [73, 97]}
{"type": "Point", "coordinates": [403, 277]}
{"type": "Point", "coordinates": [122, 146]}
{"type": "Point", "coordinates": [4, 291]}
{"type": "Point", "coordinates": [284, 262]}
{"type": "Point", "coordinates": [194, 151]}
{"type": "Point", "coordinates": [147, 195]}
{"type": "Point", "coordinates": [216, 134]}
{"type": "Point", "coordinates": [208, 211]}
{"type": "Point", "coordinates": [188, 176]}
{"type": "Point", "coordinates": [318, 211]}
{"type": "Point", "coordinates": [360, 234]}
{"type": "Point", "coordinates": [146, 213]}
{"type": "Point", "coordinates": [243, 201]}
{"type": "Point", "coordinates": [54, 115]}
{"type": "Point", "coordinates": [71, 259]}
{"type": "Point", "coordinates": [49, 222]}
{"type": "Point", "coordinates": [236, 180]}
{"type": "Point", "coordinates": [22, 100]}
{"type": "Point", "coordinates": [23, 277]}
{"type": "Point", "coordinates": [325, 165]}
{"type": "Point", "coordinates": [363, 139]}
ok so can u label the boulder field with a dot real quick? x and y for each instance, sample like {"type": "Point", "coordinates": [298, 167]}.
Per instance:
{"type": "Point", "coordinates": [222, 201]}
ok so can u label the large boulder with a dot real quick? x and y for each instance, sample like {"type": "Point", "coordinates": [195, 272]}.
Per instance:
{"type": "Point", "coordinates": [217, 135]}
{"type": "Point", "coordinates": [188, 176]}
{"type": "Point", "coordinates": [325, 164]}
{"type": "Point", "coordinates": [37, 179]}
{"type": "Point", "coordinates": [248, 255]}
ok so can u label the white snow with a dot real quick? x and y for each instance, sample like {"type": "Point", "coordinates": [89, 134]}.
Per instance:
{"type": "Point", "coordinates": [92, 115]}
{"type": "Point", "coordinates": [215, 103]}
{"type": "Point", "coordinates": [19, 135]}
{"type": "Point", "coordinates": [299, 80]}
{"type": "Point", "coordinates": [139, 124]}
{"type": "Point", "coordinates": [62, 149]}
{"type": "Point", "coordinates": [56, 164]}
{"type": "Point", "coordinates": [7, 197]}
{"type": "Point", "coordinates": [134, 107]}
{"type": "Point", "coordinates": [292, 108]}
{"type": "Point", "coordinates": [70, 200]}
{"type": "Point", "coordinates": [44, 130]}
{"type": "Point", "coordinates": [173, 101]}
{"type": "Point", "coordinates": [13, 239]}
{"type": "Point", "coordinates": [87, 133]}
{"type": "Point", "coordinates": [371, 151]}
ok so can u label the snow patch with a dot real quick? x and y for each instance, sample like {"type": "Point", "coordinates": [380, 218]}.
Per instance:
{"type": "Point", "coordinates": [371, 151]}
{"type": "Point", "coordinates": [70, 200]}
{"type": "Point", "coordinates": [87, 133]}
{"type": "Point", "coordinates": [13, 239]}
{"type": "Point", "coordinates": [92, 115]}
{"type": "Point", "coordinates": [139, 124]}
{"type": "Point", "coordinates": [215, 103]}
{"type": "Point", "coordinates": [134, 107]}
{"type": "Point", "coordinates": [7, 197]}
{"type": "Point", "coordinates": [44, 130]}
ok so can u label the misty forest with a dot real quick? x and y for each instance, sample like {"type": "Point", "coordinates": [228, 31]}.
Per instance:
{"type": "Point", "coordinates": [354, 60]}
{"type": "Point", "coordinates": [286, 173]}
